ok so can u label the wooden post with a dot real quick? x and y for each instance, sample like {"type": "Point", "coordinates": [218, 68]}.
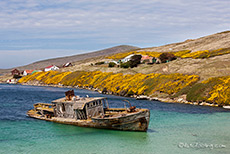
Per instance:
{"type": "Point", "coordinates": [107, 103]}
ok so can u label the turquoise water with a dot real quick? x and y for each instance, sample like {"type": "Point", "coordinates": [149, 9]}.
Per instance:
{"type": "Point", "coordinates": [172, 127]}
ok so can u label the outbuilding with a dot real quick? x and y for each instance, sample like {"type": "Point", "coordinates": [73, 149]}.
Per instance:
{"type": "Point", "coordinates": [27, 72]}
{"type": "Point", "coordinates": [15, 72]}
{"type": "Point", "coordinates": [128, 58]}
{"type": "Point", "coordinates": [51, 68]}
{"type": "Point", "coordinates": [67, 64]}
{"type": "Point", "coordinates": [146, 59]}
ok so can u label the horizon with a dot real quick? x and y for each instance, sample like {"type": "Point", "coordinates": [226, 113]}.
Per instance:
{"type": "Point", "coordinates": [38, 30]}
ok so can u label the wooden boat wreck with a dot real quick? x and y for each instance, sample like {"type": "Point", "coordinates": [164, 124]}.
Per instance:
{"type": "Point", "coordinates": [91, 112]}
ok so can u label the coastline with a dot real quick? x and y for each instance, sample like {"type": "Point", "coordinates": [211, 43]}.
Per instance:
{"type": "Point", "coordinates": [141, 97]}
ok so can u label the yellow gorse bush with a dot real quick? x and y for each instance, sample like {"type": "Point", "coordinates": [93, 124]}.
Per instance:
{"type": "Point", "coordinates": [50, 77]}
{"type": "Point", "coordinates": [181, 54]}
{"type": "Point", "coordinates": [216, 89]}
{"type": "Point", "coordinates": [220, 92]}
{"type": "Point", "coordinates": [125, 54]}
{"type": "Point", "coordinates": [117, 83]}
{"type": "Point", "coordinates": [152, 54]}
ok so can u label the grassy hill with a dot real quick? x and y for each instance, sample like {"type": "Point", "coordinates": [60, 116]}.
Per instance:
{"type": "Point", "coordinates": [201, 73]}
{"type": "Point", "coordinates": [209, 57]}
{"type": "Point", "coordinates": [210, 42]}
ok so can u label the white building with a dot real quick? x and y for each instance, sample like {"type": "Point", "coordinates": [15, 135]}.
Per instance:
{"type": "Point", "coordinates": [27, 72]}
{"type": "Point", "coordinates": [128, 58]}
{"type": "Point", "coordinates": [51, 68]}
{"type": "Point", "coordinates": [114, 61]}
{"type": "Point", "coordinates": [67, 64]}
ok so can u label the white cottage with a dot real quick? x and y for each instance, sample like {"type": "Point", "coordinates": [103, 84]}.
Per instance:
{"type": "Point", "coordinates": [128, 58]}
{"type": "Point", "coordinates": [51, 68]}
{"type": "Point", "coordinates": [27, 72]}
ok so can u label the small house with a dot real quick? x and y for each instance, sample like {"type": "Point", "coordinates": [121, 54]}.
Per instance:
{"type": "Point", "coordinates": [27, 72]}
{"type": "Point", "coordinates": [11, 81]}
{"type": "Point", "coordinates": [51, 68]}
{"type": "Point", "coordinates": [128, 58]}
{"type": "Point", "coordinates": [112, 61]}
{"type": "Point", "coordinates": [158, 61]}
{"type": "Point", "coordinates": [67, 64]}
{"type": "Point", "coordinates": [146, 59]}
{"type": "Point", "coordinates": [15, 72]}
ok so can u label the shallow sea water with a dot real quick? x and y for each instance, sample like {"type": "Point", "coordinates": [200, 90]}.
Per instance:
{"type": "Point", "coordinates": [173, 128]}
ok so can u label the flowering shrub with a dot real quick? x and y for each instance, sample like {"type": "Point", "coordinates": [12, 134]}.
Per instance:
{"type": "Point", "coordinates": [181, 54]}
{"type": "Point", "coordinates": [213, 90]}
{"type": "Point", "coordinates": [220, 92]}
{"type": "Point", "coordinates": [117, 83]}
{"type": "Point", "coordinates": [125, 54]}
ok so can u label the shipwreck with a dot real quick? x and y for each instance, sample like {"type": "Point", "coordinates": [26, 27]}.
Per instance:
{"type": "Point", "coordinates": [91, 112]}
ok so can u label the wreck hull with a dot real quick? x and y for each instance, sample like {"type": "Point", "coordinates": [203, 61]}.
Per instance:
{"type": "Point", "coordinates": [136, 121]}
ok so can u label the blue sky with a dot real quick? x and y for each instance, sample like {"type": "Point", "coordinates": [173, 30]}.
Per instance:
{"type": "Point", "coordinates": [33, 30]}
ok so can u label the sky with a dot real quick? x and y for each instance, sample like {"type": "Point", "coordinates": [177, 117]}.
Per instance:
{"type": "Point", "coordinates": [34, 30]}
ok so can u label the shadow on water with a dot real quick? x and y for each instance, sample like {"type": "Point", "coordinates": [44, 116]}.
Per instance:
{"type": "Point", "coordinates": [151, 131]}
{"type": "Point", "coordinates": [43, 130]}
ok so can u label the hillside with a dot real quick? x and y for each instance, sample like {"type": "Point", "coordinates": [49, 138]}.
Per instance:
{"type": "Point", "coordinates": [205, 68]}
{"type": "Point", "coordinates": [209, 57]}
{"type": "Point", "coordinates": [201, 73]}
{"type": "Point", "coordinates": [74, 58]}
{"type": "Point", "coordinates": [210, 42]}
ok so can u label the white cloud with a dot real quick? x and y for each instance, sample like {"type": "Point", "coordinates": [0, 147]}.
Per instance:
{"type": "Point", "coordinates": [86, 14]}
{"type": "Point", "coordinates": [102, 23]}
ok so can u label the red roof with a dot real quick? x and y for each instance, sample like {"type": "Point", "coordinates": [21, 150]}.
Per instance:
{"type": "Point", "coordinates": [50, 66]}
{"type": "Point", "coordinates": [15, 70]}
{"type": "Point", "coordinates": [145, 57]}
{"type": "Point", "coordinates": [29, 71]}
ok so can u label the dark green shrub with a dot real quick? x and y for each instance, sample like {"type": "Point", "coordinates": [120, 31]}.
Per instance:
{"type": "Point", "coordinates": [183, 91]}
{"type": "Point", "coordinates": [197, 92]}
{"type": "Point", "coordinates": [100, 63]}
{"type": "Point", "coordinates": [17, 76]}
{"type": "Point", "coordinates": [166, 57]}
{"type": "Point", "coordinates": [135, 60]}
{"type": "Point", "coordinates": [125, 65]}
{"type": "Point", "coordinates": [112, 64]}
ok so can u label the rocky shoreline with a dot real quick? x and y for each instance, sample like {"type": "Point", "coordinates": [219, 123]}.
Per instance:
{"type": "Point", "coordinates": [180, 100]}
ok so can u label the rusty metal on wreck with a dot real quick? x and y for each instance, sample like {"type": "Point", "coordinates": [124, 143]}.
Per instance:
{"type": "Point", "coordinates": [91, 112]}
